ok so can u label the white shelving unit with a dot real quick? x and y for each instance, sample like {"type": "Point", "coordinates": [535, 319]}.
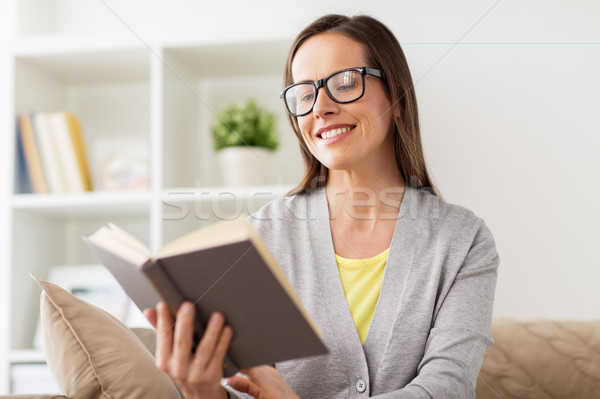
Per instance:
{"type": "Point", "coordinates": [117, 85]}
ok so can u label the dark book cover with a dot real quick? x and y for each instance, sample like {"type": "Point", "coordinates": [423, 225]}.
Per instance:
{"type": "Point", "coordinates": [238, 278]}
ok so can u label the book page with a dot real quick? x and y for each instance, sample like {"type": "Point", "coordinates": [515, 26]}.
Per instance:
{"type": "Point", "coordinates": [122, 244]}
{"type": "Point", "coordinates": [217, 234]}
{"type": "Point", "coordinates": [129, 239]}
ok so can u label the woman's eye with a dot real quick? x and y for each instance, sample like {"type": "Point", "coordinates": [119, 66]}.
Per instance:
{"type": "Point", "coordinates": [307, 97]}
{"type": "Point", "coordinates": [346, 87]}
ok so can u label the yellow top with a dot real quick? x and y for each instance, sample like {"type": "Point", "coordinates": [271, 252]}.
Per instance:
{"type": "Point", "coordinates": [362, 279]}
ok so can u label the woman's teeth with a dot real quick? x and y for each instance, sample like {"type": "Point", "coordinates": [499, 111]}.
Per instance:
{"type": "Point", "coordinates": [334, 132]}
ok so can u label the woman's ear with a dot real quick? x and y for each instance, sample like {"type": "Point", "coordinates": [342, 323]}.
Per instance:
{"type": "Point", "coordinates": [397, 112]}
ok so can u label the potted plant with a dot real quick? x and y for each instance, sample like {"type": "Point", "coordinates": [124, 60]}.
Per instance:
{"type": "Point", "coordinates": [244, 138]}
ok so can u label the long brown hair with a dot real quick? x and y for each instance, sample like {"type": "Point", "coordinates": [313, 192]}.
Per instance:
{"type": "Point", "coordinates": [383, 52]}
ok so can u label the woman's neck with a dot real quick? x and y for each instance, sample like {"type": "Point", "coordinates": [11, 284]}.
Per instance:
{"type": "Point", "coordinates": [364, 196]}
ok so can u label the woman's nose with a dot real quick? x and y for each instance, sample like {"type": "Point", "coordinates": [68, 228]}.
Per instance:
{"type": "Point", "coordinates": [324, 105]}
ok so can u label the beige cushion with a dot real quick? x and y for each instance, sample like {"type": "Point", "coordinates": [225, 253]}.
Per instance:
{"type": "Point", "coordinates": [541, 359]}
{"type": "Point", "coordinates": [91, 354]}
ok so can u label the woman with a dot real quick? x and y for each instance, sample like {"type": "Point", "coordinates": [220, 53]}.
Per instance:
{"type": "Point", "coordinates": [364, 240]}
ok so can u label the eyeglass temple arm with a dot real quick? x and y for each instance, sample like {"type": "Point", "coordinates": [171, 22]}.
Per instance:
{"type": "Point", "coordinates": [375, 72]}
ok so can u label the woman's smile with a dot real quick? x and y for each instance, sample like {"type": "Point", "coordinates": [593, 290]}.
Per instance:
{"type": "Point", "coordinates": [334, 133]}
{"type": "Point", "coordinates": [344, 136]}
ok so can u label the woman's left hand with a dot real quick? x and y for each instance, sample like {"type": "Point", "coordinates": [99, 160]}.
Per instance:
{"type": "Point", "coordinates": [263, 382]}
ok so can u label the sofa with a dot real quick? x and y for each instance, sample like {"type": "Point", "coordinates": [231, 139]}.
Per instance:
{"type": "Point", "coordinates": [92, 355]}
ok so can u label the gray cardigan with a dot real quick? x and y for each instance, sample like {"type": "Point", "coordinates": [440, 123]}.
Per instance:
{"type": "Point", "coordinates": [431, 325]}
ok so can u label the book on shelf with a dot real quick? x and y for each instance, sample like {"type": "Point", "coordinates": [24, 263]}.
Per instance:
{"type": "Point", "coordinates": [21, 174]}
{"type": "Point", "coordinates": [27, 147]}
{"type": "Point", "coordinates": [76, 134]}
{"type": "Point", "coordinates": [48, 153]}
{"type": "Point", "coordinates": [65, 151]}
{"type": "Point", "coordinates": [54, 151]}
{"type": "Point", "coordinates": [223, 267]}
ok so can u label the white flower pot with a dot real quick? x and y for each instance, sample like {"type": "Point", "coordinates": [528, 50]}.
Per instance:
{"type": "Point", "coordinates": [244, 166]}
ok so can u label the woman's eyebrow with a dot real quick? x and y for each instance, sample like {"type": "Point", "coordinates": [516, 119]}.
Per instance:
{"type": "Point", "coordinates": [306, 80]}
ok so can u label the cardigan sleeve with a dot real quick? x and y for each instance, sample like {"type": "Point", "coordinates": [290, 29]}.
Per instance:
{"type": "Point", "coordinates": [460, 332]}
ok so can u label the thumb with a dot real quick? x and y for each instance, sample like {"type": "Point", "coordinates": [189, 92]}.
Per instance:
{"type": "Point", "coordinates": [150, 315]}
{"type": "Point", "coordinates": [244, 385]}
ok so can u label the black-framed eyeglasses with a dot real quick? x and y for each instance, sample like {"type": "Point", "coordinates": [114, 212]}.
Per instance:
{"type": "Point", "coordinates": [343, 87]}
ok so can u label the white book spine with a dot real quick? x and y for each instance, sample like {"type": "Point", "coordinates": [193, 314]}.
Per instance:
{"type": "Point", "coordinates": [50, 161]}
{"type": "Point", "coordinates": [66, 152]}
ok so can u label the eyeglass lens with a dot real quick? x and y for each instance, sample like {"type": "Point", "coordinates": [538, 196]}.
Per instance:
{"type": "Point", "coordinates": [343, 87]}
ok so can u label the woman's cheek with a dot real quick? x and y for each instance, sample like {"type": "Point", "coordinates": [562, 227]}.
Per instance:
{"type": "Point", "coordinates": [307, 137]}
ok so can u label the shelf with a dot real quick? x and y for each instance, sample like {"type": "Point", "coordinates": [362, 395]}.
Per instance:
{"type": "Point", "coordinates": [62, 44]}
{"type": "Point", "coordinates": [209, 204]}
{"type": "Point", "coordinates": [188, 208]}
{"type": "Point", "coordinates": [154, 98]}
{"type": "Point", "coordinates": [95, 58]}
{"type": "Point", "coordinates": [96, 63]}
{"type": "Point", "coordinates": [27, 356]}
{"type": "Point", "coordinates": [96, 203]}
{"type": "Point", "coordinates": [198, 82]}
{"type": "Point", "coordinates": [195, 194]}
{"type": "Point", "coordinates": [137, 203]}
{"type": "Point", "coordinates": [229, 59]}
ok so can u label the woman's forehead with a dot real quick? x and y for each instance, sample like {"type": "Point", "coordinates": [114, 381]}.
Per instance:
{"type": "Point", "coordinates": [325, 53]}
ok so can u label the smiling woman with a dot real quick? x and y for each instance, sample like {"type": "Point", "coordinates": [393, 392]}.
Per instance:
{"type": "Point", "coordinates": [362, 41]}
{"type": "Point", "coordinates": [362, 120]}
{"type": "Point", "coordinates": [400, 282]}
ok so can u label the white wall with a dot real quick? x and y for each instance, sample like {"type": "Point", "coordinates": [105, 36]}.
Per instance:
{"type": "Point", "coordinates": [511, 130]}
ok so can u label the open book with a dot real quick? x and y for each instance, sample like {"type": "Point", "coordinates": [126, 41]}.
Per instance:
{"type": "Point", "coordinates": [222, 267]}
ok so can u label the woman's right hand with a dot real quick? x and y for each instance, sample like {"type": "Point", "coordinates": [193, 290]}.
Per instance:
{"type": "Point", "coordinates": [198, 375]}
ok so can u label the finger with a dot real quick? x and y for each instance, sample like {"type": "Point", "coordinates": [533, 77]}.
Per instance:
{"type": "Point", "coordinates": [260, 372]}
{"type": "Point", "coordinates": [206, 347]}
{"type": "Point", "coordinates": [164, 336]}
{"type": "Point", "coordinates": [182, 345]}
{"type": "Point", "coordinates": [266, 378]}
{"type": "Point", "coordinates": [216, 361]}
{"type": "Point", "coordinates": [151, 316]}
{"type": "Point", "coordinates": [244, 385]}
{"type": "Point", "coordinates": [269, 382]}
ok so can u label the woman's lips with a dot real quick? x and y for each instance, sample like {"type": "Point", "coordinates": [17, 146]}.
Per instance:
{"type": "Point", "coordinates": [333, 131]}
{"type": "Point", "coordinates": [331, 136]}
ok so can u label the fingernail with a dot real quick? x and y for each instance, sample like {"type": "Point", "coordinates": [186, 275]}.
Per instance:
{"type": "Point", "coordinates": [215, 317]}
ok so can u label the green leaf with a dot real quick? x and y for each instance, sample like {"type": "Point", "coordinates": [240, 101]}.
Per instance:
{"type": "Point", "coordinates": [249, 124]}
